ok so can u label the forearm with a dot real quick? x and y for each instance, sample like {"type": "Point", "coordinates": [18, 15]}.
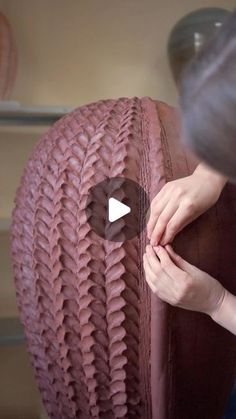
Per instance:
{"type": "Point", "coordinates": [225, 315]}
{"type": "Point", "coordinates": [211, 175]}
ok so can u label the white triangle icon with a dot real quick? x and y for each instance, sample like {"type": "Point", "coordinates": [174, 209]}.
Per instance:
{"type": "Point", "coordinates": [116, 209]}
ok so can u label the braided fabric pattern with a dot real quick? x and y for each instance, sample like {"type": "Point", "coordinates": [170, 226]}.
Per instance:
{"type": "Point", "coordinates": [83, 299]}
{"type": "Point", "coordinates": [101, 345]}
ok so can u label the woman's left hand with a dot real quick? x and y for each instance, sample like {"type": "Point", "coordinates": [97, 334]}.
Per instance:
{"type": "Point", "coordinates": [179, 283]}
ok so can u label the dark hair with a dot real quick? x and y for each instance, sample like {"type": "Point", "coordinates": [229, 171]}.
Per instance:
{"type": "Point", "coordinates": [208, 101]}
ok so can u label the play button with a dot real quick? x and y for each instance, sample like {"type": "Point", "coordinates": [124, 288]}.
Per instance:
{"type": "Point", "coordinates": [116, 209]}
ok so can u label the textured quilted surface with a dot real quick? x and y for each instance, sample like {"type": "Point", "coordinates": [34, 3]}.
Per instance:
{"type": "Point", "coordinates": [100, 344]}
{"type": "Point", "coordinates": [82, 299]}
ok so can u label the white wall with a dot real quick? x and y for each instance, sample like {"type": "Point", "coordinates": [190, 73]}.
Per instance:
{"type": "Point", "coordinates": [73, 52]}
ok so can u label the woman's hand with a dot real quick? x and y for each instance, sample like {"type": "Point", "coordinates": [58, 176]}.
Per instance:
{"type": "Point", "coordinates": [181, 201]}
{"type": "Point", "coordinates": [179, 283]}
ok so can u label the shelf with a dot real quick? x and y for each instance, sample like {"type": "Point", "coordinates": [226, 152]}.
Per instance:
{"type": "Point", "coordinates": [13, 113]}
{"type": "Point", "coordinates": [11, 331]}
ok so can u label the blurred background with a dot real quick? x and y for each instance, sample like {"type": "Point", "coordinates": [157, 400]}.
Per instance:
{"type": "Point", "coordinates": [67, 54]}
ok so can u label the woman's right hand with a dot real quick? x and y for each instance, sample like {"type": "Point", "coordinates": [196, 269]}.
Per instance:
{"type": "Point", "coordinates": [181, 201]}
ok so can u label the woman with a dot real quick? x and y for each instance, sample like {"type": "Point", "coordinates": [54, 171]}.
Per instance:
{"type": "Point", "coordinates": [208, 108]}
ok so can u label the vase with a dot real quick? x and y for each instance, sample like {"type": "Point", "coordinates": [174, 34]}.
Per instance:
{"type": "Point", "coordinates": [190, 34]}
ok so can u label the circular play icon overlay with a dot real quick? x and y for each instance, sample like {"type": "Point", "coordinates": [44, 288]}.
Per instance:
{"type": "Point", "coordinates": [117, 209]}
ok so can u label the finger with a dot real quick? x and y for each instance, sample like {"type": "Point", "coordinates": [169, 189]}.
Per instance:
{"type": "Point", "coordinates": [162, 222]}
{"type": "Point", "coordinates": [147, 268]}
{"type": "Point", "coordinates": [179, 220]}
{"type": "Point", "coordinates": [148, 273]}
{"type": "Point", "coordinates": [167, 239]}
{"type": "Point", "coordinates": [167, 263]}
{"type": "Point", "coordinates": [163, 283]}
{"type": "Point", "coordinates": [157, 206]}
{"type": "Point", "coordinates": [180, 262]}
{"type": "Point", "coordinates": [150, 284]}
{"type": "Point", "coordinates": [153, 260]}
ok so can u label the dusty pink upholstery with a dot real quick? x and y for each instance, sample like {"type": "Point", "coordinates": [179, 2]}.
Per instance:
{"type": "Point", "coordinates": [101, 345]}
